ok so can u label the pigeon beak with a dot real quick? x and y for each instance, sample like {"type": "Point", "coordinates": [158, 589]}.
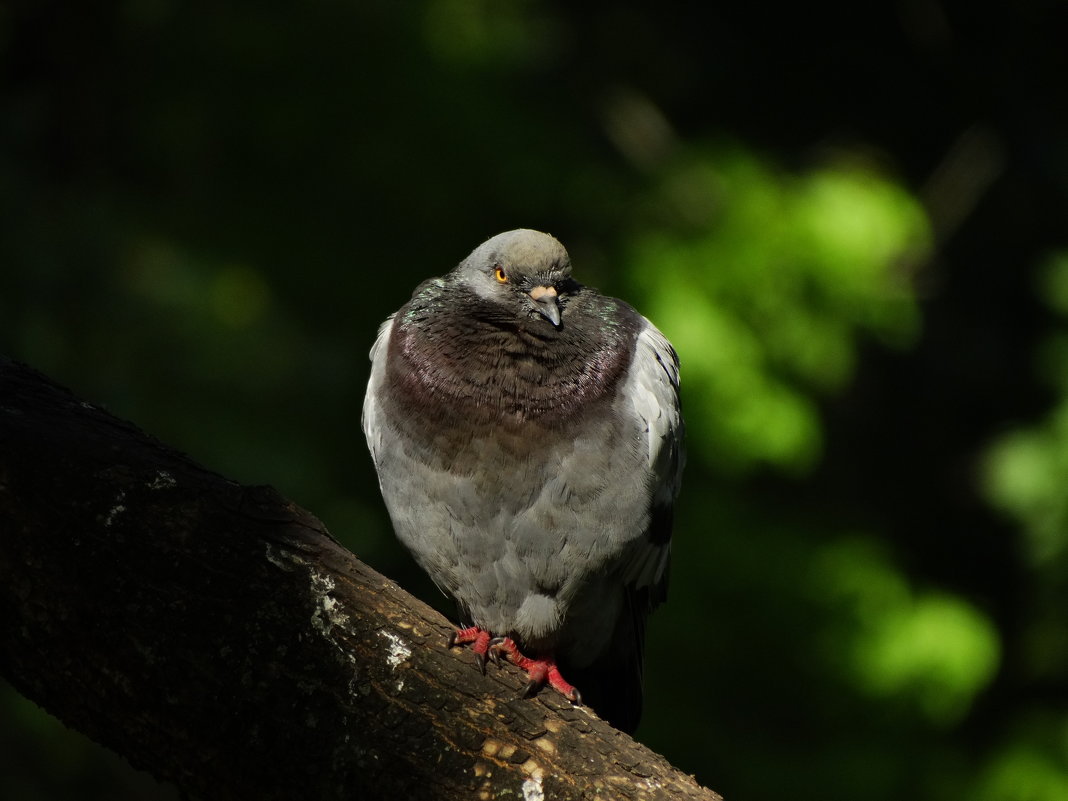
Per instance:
{"type": "Point", "coordinates": [544, 298]}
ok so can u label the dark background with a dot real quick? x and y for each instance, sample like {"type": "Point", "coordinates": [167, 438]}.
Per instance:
{"type": "Point", "coordinates": [850, 218]}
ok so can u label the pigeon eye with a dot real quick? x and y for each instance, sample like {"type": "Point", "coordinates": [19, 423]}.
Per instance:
{"type": "Point", "coordinates": [498, 273]}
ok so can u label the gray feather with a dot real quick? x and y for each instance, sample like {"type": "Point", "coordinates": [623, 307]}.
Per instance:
{"type": "Point", "coordinates": [531, 468]}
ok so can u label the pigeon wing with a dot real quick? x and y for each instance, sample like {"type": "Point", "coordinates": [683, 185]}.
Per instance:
{"type": "Point", "coordinates": [612, 684]}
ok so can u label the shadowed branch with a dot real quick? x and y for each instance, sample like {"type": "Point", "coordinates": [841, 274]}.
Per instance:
{"type": "Point", "coordinates": [218, 637]}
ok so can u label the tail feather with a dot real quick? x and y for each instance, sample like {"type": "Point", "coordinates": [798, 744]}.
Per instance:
{"type": "Point", "coordinates": [612, 684]}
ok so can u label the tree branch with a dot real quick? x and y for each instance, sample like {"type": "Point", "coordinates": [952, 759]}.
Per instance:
{"type": "Point", "coordinates": [218, 637]}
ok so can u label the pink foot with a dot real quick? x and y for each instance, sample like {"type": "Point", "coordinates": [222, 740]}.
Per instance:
{"type": "Point", "coordinates": [480, 640]}
{"type": "Point", "coordinates": [540, 671]}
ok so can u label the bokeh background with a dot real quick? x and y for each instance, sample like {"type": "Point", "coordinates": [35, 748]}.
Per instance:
{"type": "Point", "coordinates": [851, 219]}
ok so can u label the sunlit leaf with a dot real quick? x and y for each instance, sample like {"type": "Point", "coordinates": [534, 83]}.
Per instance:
{"type": "Point", "coordinates": [766, 281]}
{"type": "Point", "coordinates": [931, 649]}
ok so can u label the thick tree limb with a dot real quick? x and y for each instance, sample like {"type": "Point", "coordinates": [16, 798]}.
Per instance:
{"type": "Point", "coordinates": [217, 636]}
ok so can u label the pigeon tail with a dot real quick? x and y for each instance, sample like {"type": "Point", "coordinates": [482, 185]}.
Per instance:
{"type": "Point", "coordinates": [612, 683]}
{"type": "Point", "coordinates": [612, 687]}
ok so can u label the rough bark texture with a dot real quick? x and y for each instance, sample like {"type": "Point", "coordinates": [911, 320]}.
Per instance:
{"type": "Point", "coordinates": [218, 637]}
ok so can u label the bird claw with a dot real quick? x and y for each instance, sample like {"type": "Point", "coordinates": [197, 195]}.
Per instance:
{"type": "Point", "coordinates": [503, 646]}
{"type": "Point", "coordinates": [530, 689]}
{"type": "Point", "coordinates": [496, 645]}
{"type": "Point", "coordinates": [540, 671]}
{"type": "Point", "coordinates": [478, 639]}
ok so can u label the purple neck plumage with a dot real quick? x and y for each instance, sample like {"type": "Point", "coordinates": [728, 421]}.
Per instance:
{"type": "Point", "coordinates": [451, 360]}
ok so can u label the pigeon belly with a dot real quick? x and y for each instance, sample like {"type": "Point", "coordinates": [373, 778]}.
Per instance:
{"type": "Point", "coordinates": [525, 525]}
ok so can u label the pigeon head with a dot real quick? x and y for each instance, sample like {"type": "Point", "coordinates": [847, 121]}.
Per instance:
{"type": "Point", "coordinates": [522, 274]}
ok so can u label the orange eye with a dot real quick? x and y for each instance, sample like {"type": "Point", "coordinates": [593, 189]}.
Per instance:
{"type": "Point", "coordinates": [498, 273]}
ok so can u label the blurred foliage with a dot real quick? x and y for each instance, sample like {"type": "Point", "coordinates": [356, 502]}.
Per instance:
{"type": "Point", "coordinates": [765, 280]}
{"type": "Point", "coordinates": [1027, 468]}
{"type": "Point", "coordinates": [1027, 477]}
{"type": "Point", "coordinates": [206, 209]}
{"type": "Point", "coordinates": [930, 651]}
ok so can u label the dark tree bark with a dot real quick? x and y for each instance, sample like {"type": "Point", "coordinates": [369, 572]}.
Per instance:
{"type": "Point", "coordinates": [218, 637]}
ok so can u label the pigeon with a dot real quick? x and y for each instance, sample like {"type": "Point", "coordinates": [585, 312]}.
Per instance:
{"type": "Point", "coordinates": [527, 436]}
